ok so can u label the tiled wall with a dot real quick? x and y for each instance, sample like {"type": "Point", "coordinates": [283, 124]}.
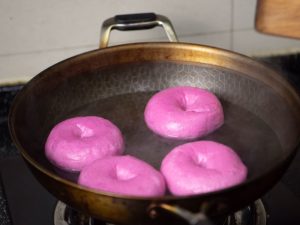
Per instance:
{"type": "Point", "coordinates": [38, 33]}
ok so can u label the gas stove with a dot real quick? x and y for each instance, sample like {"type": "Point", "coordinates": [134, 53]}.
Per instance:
{"type": "Point", "coordinates": [254, 214]}
{"type": "Point", "coordinates": [23, 201]}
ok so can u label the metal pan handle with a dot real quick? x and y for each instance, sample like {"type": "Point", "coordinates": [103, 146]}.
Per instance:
{"type": "Point", "coordinates": [191, 218]}
{"type": "Point", "coordinates": [141, 21]}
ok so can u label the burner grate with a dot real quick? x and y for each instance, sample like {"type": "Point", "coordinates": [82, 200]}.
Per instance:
{"type": "Point", "coordinates": [254, 214]}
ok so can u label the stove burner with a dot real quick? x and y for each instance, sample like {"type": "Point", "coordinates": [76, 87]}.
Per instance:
{"type": "Point", "coordinates": [254, 214]}
{"type": "Point", "coordinates": [64, 215]}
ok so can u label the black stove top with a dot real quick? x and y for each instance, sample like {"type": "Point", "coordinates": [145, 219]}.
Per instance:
{"type": "Point", "coordinates": [23, 201]}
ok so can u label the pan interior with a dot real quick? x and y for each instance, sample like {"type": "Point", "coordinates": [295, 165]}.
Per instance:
{"type": "Point", "coordinates": [259, 125]}
{"type": "Point", "coordinates": [249, 135]}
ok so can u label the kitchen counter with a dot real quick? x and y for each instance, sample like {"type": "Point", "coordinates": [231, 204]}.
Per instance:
{"type": "Point", "coordinates": [289, 65]}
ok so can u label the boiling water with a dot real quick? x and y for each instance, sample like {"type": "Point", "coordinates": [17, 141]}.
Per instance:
{"type": "Point", "coordinates": [248, 135]}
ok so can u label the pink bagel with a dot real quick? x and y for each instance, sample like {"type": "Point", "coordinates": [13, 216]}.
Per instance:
{"type": "Point", "coordinates": [184, 113]}
{"type": "Point", "coordinates": [124, 175]}
{"type": "Point", "coordinates": [77, 142]}
{"type": "Point", "coordinates": [201, 167]}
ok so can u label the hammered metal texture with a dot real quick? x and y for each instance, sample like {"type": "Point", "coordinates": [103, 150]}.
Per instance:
{"type": "Point", "coordinates": [231, 86]}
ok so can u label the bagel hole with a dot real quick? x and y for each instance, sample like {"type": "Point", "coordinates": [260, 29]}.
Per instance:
{"type": "Point", "coordinates": [200, 160]}
{"type": "Point", "coordinates": [185, 106]}
{"type": "Point", "coordinates": [195, 105]}
{"type": "Point", "coordinates": [82, 131]}
{"type": "Point", "coordinates": [201, 109]}
{"type": "Point", "coordinates": [124, 173]}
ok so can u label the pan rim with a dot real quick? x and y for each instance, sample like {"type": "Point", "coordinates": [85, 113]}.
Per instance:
{"type": "Point", "coordinates": [186, 46]}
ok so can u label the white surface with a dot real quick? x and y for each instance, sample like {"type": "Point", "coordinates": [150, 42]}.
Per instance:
{"type": "Point", "coordinates": [220, 40]}
{"type": "Point", "coordinates": [252, 43]}
{"type": "Point", "coordinates": [38, 33]}
{"type": "Point", "coordinates": [243, 14]}
{"type": "Point", "coordinates": [40, 25]}
{"type": "Point", "coordinates": [22, 67]}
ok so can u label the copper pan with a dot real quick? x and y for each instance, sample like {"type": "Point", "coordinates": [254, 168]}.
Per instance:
{"type": "Point", "coordinates": [262, 120]}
